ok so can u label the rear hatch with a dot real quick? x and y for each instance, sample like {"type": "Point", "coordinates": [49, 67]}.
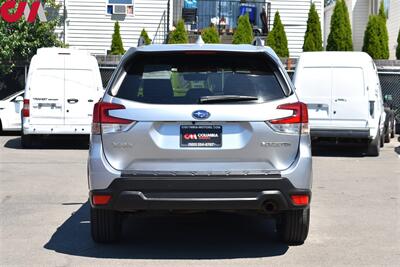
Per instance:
{"type": "Point", "coordinates": [200, 112]}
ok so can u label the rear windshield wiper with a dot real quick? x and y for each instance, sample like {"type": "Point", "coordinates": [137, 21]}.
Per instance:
{"type": "Point", "coordinates": [226, 98]}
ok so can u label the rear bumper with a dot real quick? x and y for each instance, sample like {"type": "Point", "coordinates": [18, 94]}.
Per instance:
{"type": "Point", "coordinates": [135, 193]}
{"type": "Point", "coordinates": [57, 129]}
{"type": "Point", "coordinates": [341, 133]}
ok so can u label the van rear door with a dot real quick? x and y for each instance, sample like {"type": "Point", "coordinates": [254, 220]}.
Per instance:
{"type": "Point", "coordinates": [349, 98]}
{"type": "Point", "coordinates": [314, 87]}
{"type": "Point", "coordinates": [46, 93]}
{"type": "Point", "coordinates": [80, 95]}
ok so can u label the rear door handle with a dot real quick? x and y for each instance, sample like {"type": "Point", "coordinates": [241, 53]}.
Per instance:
{"type": "Point", "coordinates": [90, 100]}
{"type": "Point", "coordinates": [341, 100]}
{"type": "Point", "coordinates": [72, 100]}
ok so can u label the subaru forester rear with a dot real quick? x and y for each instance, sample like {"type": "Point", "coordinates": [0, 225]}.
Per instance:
{"type": "Point", "coordinates": [200, 127]}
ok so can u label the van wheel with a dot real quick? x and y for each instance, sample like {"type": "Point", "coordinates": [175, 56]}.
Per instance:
{"type": "Point", "coordinates": [26, 141]}
{"type": "Point", "coordinates": [105, 225]}
{"type": "Point", "coordinates": [374, 146]}
{"type": "Point", "coordinates": [294, 225]}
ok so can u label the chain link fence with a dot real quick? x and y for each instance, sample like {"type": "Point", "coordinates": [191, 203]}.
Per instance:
{"type": "Point", "coordinates": [390, 83]}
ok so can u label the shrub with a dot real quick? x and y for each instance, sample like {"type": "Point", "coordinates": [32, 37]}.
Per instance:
{"type": "Point", "coordinates": [376, 37]}
{"type": "Point", "coordinates": [340, 38]}
{"type": "Point", "coordinates": [313, 36]}
{"type": "Point", "coordinates": [117, 48]}
{"type": "Point", "coordinates": [244, 31]}
{"type": "Point", "coordinates": [371, 38]}
{"type": "Point", "coordinates": [146, 37]}
{"type": "Point", "coordinates": [210, 35]}
{"type": "Point", "coordinates": [276, 39]}
{"type": "Point", "coordinates": [179, 35]}
{"type": "Point", "coordinates": [383, 32]}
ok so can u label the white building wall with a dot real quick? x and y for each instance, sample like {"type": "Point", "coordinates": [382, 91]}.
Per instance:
{"type": "Point", "coordinates": [89, 27]}
{"type": "Point", "coordinates": [294, 15]}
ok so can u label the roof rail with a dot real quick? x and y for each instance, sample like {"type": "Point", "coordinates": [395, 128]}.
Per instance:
{"type": "Point", "coordinates": [257, 42]}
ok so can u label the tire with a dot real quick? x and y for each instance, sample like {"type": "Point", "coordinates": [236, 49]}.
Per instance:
{"type": "Point", "coordinates": [294, 225]}
{"type": "Point", "coordinates": [26, 141]}
{"type": "Point", "coordinates": [105, 225]}
{"type": "Point", "coordinates": [374, 146]}
{"type": "Point", "coordinates": [387, 134]}
{"type": "Point", "coordinates": [393, 132]}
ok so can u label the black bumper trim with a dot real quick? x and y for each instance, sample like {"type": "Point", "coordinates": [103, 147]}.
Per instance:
{"type": "Point", "coordinates": [199, 193]}
{"type": "Point", "coordinates": [339, 133]}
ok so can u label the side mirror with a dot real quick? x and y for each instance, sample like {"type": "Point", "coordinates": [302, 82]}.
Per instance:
{"type": "Point", "coordinates": [19, 99]}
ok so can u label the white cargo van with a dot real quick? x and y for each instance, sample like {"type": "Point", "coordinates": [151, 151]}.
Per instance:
{"type": "Point", "coordinates": [343, 94]}
{"type": "Point", "coordinates": [61, 89]}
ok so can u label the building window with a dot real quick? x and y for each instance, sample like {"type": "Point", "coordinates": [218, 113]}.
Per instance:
{"type": "Point", "coordinates": [119, 7]}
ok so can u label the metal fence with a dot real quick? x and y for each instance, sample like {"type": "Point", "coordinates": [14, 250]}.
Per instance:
{"type": "Point", "coordinates": [390, 83]}
{"type": "Point", "coordinates": [224, 14]}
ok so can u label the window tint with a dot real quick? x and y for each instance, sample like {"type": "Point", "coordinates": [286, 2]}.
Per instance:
{"type": "Point", "coordinates": [185, 78]}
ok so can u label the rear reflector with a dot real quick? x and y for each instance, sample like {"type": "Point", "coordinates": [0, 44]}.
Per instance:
{"type": "Point", "coordinates": [300, 200]}
{"type": "Point", "coordinates": [25, 108]}
{"type": "Point", "coordinates": [101, 199]}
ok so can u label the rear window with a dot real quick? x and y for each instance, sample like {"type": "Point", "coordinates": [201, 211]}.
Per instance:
{"type": "Point", "coordinates": [184, 78]}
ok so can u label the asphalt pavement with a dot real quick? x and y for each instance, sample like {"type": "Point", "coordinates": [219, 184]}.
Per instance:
{"type": "Point", "coordinates": [44, 217]}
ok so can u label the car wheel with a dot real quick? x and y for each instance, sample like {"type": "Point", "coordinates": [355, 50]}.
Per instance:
{"type": "Point", "coordinates": [382, 141]}
{"type": "Point", "coordinates": [393, 132]}
{"type": "Point", "coordinates": [387, 133]}
{"type": "Point", "coordinates": [105, 225]}
{"type": "Point", "coordinates": [374, 146]}
{"type": "Point", "coordinates": [294, 225]}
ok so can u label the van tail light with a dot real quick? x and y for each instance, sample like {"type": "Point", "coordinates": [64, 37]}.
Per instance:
{"type": "Point", "coordinates": [104, 123]}
{"type": "Point", "coordinates": [294, 124]}
{"type": "Point", "coordinates": [25, 108]}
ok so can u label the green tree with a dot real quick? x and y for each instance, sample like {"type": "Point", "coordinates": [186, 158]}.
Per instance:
{"type": "Point", "coordinates": [383, 32]}
{"type": "Point", "coordinates": [398, 46]}
{"type": "Point", "coordinates": [20, 40]}
{"type": "Point", "coordinates": [244, 31]}
{"type": "Point", "coordinates": [179, 35]}
{"type": "Point", "coordinates": [313, 36]}
{"type": "Point", "coordinates": [340, 37]}
{"type": "Point", "coordinates": [210, 35]}
{"type": "Point", "coordinates": [276, 39]}
{"type": "Point", "coordinates": [372, 44]}
{"type": "Point", "coordinates": [117, 48]}
{"type": "Point", "coordinates": [376, 37]}
{"type": "Point", "coordinates": [146, 37]}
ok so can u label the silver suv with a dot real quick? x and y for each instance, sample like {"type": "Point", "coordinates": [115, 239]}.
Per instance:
{"type": "Point", "coordinates": [200, 127]}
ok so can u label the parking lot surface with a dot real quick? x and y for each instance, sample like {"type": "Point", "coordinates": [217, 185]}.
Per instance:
{"type": "Point", "coordinates": [44, 217]}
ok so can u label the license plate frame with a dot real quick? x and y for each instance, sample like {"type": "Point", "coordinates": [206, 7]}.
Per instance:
{"type": "Point", "coordinates": [200, 136]}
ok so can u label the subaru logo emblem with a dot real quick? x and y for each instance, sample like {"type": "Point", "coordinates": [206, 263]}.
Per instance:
{"type": "Point", "coordinates": [201, 114]}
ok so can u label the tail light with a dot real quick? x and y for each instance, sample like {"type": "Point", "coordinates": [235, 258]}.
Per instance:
{"type": "Point", "coordinates": [103, 122]}
{"type": "Point", "coordinates": [294, 124]}
{"type": "Point", "coordinates": [25, 108]}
